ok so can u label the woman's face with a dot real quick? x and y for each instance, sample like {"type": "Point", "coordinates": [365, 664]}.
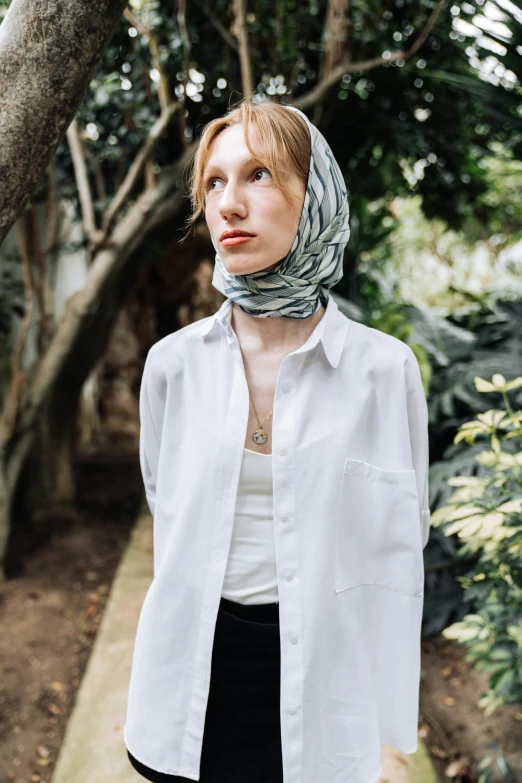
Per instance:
{"type": "Point", "coordinates": [241, 194]}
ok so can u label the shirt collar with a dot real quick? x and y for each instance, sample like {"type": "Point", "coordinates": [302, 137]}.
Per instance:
{"type": "Point", "coordinates": [330, 331]}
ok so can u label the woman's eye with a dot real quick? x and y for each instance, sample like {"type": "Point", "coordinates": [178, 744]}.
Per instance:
{"type": "Point", "coordinates": [257, 171]}
{"type": "Point", "coordinates": [262, 171]}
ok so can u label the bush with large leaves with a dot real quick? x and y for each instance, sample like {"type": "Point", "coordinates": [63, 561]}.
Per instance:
{"type": "Point", "coordinates": [485, 513]}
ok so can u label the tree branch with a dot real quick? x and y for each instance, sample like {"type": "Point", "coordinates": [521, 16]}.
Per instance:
{"type": "Point", "coordinates": [241, 33]}
{"type": "Point", "coordinates": [38, 41]}
{"type": "Point", "coordinates": [319, 91]}
{"type": "Point", "coordinates": [337, 34]}
{"type": "Point", "coordinates": [222, 30]}
{"type": "Point", "coordinates": [181, 20]}
{"type": "Point", "coordinates": [82, 180]}
{"type": "Point", "coordinates": [52, 223]}
{"type": "Point", "coordinates": [153, 207]}
{"type": "Point", "coordinates": [163, 86]}
{"type": "Point", "coordinates": [98, 176]}
{"type": "Point", "coordinates": [134, 171]}
{"type": "Point", "coordinates": [133, 20]}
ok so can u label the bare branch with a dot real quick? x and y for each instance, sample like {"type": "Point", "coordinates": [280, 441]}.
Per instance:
{"type": "Point", "coordinates": [150, 209]}
{"type": "Point", "coordinates": [222, 30]}
{"type": "Point", "coordinates": [337, 34]}
{"type": "Point", "coordinates": [183, 29]}
{"type": "Point", "coordinates": [131, 17]}
{"type": "Point", "coordinates": [427, 30]}
{"type": "Point", "coordinates": [185, 66]}
{"type": "Point", "coordinates": [320, 90]}
{"type": "Point", "coordinates": [39, 280]}
{"type": "Point", "coordinates": [163, 85]}
{"type": "Point", "coordinates": [241, 33]}
{"type": "Point", "coordinates": [98, 176]}
{"type": "Point", "coordinates": [52, 209]}
{"type": "Point", "coordinates": [135, 169]}
{"type": "Point", "coordinates": [82, 180]}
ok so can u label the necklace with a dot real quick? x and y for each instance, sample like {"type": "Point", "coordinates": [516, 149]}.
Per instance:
{"type": "Point", "coordinates": [259, 435]}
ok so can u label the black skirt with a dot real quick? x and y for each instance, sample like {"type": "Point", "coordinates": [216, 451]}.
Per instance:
{"type": "Point", "coordinates": [242, 734]}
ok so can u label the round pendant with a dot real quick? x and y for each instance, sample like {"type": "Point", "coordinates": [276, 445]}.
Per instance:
{"type": "Point", "coordinates": [259, 436]}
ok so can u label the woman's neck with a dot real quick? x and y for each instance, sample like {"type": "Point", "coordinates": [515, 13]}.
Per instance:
{"type": "Point", "coordinates": [275, 335]}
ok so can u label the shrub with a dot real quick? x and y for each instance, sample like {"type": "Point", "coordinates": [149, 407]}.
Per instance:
{"type": "Point", "coordinates": [485, 513]}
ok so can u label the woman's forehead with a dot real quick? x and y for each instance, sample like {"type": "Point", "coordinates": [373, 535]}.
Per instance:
{"type": "Point", "coordinates": [231, 143]}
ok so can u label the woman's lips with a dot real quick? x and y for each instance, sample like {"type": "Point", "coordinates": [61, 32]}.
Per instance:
{"type": "Point", "coordinates": [230, 241]}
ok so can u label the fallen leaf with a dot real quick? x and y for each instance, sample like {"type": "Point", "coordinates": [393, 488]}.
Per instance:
{"type": "Point", "coordinates": [457, 768]}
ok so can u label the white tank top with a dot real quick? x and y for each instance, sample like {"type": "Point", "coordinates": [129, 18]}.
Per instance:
{"type": "Point", "coordinates": [250, 576]}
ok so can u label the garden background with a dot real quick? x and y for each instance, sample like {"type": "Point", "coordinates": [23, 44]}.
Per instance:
{"type": "Point", "coordinates": [101, 107]}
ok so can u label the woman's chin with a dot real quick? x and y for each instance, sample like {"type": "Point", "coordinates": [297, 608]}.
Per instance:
{"type": "Point", "coordinates": [235, 266]}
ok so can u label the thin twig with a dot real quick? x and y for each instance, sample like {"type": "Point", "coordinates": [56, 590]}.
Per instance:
{"type": "Point", "coordinates": [181, 20]}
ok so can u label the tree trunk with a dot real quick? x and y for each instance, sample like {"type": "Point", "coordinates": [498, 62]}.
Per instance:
{"type": "Point", "coordinates": [49, 53]}
{"type": "Point", "coordinates": [83, 333]}
{"type": "Point", "coordinates": [45, 491]}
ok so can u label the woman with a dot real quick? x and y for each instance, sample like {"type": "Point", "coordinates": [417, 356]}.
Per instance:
{"type": "Point", "coordinates": [284, 455]}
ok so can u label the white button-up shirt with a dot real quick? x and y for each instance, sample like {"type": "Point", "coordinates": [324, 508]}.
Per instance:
{"type": "Point", "coordinates": [350, 516]}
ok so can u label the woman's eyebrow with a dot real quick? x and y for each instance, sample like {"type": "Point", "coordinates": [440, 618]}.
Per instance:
{"type": "Point", "coordinates": [216, 167]}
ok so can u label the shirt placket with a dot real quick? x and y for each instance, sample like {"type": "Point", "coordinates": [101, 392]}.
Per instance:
{"type": "Point", "coordinates": [223, 522]}
{"type": "Point", "coordinates": [285, 537]}
{"type": "Point", "coordinates": [286, 548]}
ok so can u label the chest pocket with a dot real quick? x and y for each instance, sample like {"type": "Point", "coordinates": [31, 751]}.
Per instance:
{"type": "Point", "coordinates": [378, 530]}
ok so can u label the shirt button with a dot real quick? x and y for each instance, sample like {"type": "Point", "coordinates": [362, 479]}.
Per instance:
{"type": "Point", "coordinates": [284, 516]}
{"type": "Point", "coordinates": [282, 451]}
{"type": "Point", "coordinates": [289, 575]}
{"type": "Point", "coordinates": [293, 638]}
{"type": "Point", "coordinates": [292, 710]}
{"type": "Point", "coordinates": [286, 387]}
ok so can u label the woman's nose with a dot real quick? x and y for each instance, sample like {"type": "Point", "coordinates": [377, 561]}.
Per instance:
{"type": "Point", "coordinates": [232, 201]}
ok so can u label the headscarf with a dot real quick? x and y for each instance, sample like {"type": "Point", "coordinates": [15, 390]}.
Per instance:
{"type": "Point", "coordinates": [298, 286]}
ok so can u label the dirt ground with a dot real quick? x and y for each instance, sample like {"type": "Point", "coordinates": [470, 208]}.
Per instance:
{"type": "Point", "coordinates": [454, 728]}
{"type": "Point", "coordinates": [50, 613]}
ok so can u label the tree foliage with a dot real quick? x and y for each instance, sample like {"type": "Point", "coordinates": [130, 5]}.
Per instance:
{"type": "Point", "coordinates": [431, 108]}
